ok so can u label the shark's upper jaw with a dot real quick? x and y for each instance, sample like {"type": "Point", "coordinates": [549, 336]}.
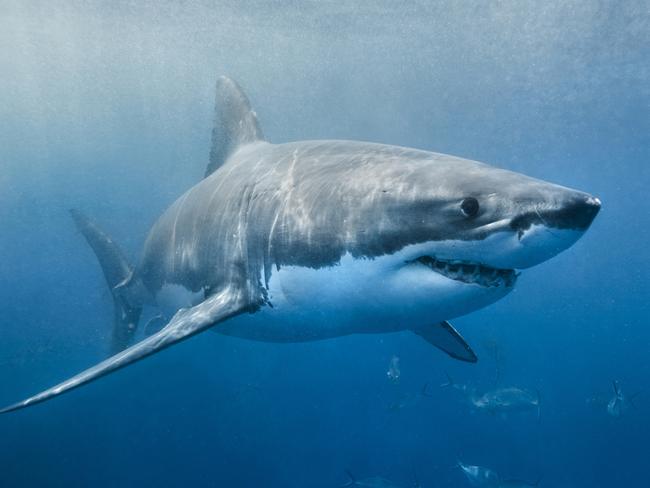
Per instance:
{"type": "Point", "coordinates": [486, 250]}
{"type": "Point", "coordinates": [469, 272]}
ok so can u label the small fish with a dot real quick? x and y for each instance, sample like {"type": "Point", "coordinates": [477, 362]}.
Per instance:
{"type": "Point", "coordinates": [505, 400]}
{"type": "Point", "coordinates": [480, 476]}
{"type": "Point", "coordinates": [487, 478]}
{"type": "Point", "coordinates": [617, 403]}
{"type": "Point", "coordinates": [456, 386]}
{"type": "Point", "coordinates": [393, 372]}
{"type": "Point", "coordinates": [620, 403]}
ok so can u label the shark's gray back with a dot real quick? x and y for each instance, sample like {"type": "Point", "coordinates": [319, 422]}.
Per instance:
{"type": "Point", "coordinates": [305, 203]}
{"type": "Point", "coordinates": [262, 206]}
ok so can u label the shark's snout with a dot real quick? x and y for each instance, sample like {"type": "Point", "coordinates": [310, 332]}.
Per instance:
{"type": "Point", "coordinates": [578, 213]}
{"type": "Point", "coordinates": [547, 228]}
{"type": "Point", "coordinates": [575, 212]}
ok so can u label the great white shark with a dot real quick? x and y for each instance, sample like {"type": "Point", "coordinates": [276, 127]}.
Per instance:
{"type": "Point", "coordinates": [318, 239]}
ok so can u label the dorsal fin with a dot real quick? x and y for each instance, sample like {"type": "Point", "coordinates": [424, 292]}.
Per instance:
{"type": "Point", "coordinates": [235, 123]}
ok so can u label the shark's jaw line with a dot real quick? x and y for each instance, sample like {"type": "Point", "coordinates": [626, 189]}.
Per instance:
{"type": "Point", "coordinates": [468, 272]}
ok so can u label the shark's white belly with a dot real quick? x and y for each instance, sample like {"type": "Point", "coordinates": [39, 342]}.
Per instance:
{"type": "Point", "coordinates": [314, 304]}
{"type": "Point", "coordinates": [379, 295]}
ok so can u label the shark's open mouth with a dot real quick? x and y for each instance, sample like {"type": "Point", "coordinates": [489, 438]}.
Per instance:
{"type": "Point", "coordinates": [467, 272]}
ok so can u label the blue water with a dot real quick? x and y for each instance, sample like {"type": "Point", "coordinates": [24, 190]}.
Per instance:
{"type": "Point", "coordinates": [107, 107]}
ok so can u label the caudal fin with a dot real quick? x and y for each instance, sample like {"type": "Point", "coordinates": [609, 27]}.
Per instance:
{"type": "Point", "coordinates": [118, 274]}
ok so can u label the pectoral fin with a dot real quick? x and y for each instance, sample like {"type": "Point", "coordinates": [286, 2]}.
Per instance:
{"type": "Point", "coordinates": [446, 338]}
{"type": "Point", "coordinates": [187, 322]}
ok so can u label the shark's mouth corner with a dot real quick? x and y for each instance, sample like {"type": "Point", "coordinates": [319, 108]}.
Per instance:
{"type": "Point", "coordinates": [468, 272]}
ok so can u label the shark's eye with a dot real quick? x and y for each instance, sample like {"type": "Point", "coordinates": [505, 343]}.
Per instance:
{"type": "Point", "coordinates": [469, 206]}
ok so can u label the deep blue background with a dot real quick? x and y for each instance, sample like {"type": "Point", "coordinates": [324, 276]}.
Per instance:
{"type": "Point", "coordinates": [107, 106]}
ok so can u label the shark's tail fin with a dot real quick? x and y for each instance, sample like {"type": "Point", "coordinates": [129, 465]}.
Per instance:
{"type": "Point", "coordinates": [539, 407]}
{"type": "Point", "coordinates": [425, 390]}
{"type": "Point", "coordinates": [119, 277]}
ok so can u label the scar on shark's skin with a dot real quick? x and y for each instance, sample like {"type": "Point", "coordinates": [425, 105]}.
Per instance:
{"type": "Point", "coordinates": [312, 240]}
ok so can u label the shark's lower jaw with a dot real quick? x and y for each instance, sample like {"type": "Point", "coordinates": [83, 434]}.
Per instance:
{"type": "Point", "coordinates": [468, 272]}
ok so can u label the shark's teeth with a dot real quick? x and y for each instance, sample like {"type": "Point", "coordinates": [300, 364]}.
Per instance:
{"type": "Point", "coordinates": [467, 272]}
